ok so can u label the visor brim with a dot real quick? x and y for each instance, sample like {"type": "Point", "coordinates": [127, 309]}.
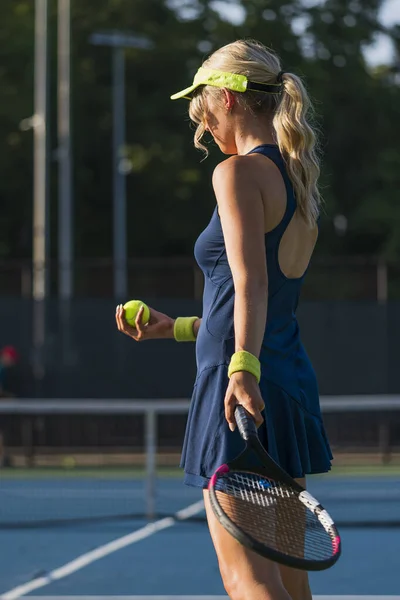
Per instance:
{"type": "Point", "coordinates": [186, 93]}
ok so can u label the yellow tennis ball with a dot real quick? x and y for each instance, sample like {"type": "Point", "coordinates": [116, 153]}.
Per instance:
{"type": "Point", "coordinates": [131, 310]}
{"type": "Point", "coordinates": [69, 462]}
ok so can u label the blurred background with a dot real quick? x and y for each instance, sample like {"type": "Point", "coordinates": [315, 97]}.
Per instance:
{"type": "Point", "coordinates": [102, 197]}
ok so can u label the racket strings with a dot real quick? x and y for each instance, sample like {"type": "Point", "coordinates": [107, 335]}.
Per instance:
{"type": "Point", "coordinates": [270, 512]}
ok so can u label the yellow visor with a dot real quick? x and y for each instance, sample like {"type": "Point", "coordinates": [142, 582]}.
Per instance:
{"type": "Point", "coordinates": [230, 81]}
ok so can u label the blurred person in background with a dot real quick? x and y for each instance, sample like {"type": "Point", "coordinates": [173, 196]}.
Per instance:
{"type": "Point", "coordinates": [8, 359]}
{"type": "Point", "coordinates": [254, 255]}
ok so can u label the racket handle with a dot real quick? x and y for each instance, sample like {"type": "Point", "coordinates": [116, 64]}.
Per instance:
{"type": "Point", "coordinates": [245, 422]}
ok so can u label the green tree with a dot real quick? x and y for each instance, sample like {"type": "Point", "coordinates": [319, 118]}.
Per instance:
{"type": "Point", "coordinates": [169, 191]}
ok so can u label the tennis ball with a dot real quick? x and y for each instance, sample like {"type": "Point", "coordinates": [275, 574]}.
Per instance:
{"type": "Point", "coordinates": [69, 462]}
{"type": "Point", "coordinates": [131, 310]}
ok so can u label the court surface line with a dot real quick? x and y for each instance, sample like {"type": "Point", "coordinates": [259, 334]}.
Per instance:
{"type": "Point", "coordinates": [89, 557]}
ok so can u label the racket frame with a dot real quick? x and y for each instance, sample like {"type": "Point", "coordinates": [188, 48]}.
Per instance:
{"type": "Point", "coordinates": [271, 470]}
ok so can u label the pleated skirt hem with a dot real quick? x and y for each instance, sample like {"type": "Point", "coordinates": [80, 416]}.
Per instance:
{"type": "Point", "coordinates": [293, 435]}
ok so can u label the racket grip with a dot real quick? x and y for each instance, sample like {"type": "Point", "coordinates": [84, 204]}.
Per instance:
{"type": "Point", "coordinates": [245, 422]}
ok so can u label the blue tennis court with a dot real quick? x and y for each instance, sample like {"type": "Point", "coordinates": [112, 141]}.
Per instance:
{"type": "Point", "coordinates": [85, 536]}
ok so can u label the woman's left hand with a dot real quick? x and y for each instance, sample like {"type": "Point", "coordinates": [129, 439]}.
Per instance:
{"type": "Point", "coordinates": [243, 389]}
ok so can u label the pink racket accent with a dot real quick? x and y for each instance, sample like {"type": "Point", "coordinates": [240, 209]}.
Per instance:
{"type": "Point", "coordinates": [336, 544]}
{"type": "Point", "coordinates": [221, 470]}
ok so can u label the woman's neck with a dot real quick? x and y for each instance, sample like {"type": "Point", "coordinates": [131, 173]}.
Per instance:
{"type": "Point", "coordinates": [253, 132]}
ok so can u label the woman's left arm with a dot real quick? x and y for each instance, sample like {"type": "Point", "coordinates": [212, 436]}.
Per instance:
{"type": "Point", "coordinates": [241, 210]}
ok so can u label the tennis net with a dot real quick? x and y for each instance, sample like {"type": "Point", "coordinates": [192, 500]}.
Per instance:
{"type": "Point", "coordinates": [76, 461]}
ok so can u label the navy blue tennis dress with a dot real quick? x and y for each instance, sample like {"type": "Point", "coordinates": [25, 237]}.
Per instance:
{"type": "Point", "coordinates": [292, 431]}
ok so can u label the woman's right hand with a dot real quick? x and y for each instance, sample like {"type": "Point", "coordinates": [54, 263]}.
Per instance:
{"type": "Point", "coordinates": [159, 326]}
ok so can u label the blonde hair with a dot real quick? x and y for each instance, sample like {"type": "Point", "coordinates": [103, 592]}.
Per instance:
{"type": "Point", "coordinates": [289, 109]}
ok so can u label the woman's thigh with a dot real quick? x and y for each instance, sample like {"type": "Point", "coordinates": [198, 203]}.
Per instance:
{"type": "Point", "coordinates": [295, 580]}
{"type": "Point", "coordinates": [243, 572]}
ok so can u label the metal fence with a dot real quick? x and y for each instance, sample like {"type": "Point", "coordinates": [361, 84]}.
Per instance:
{"type": "Point", "coordinates": [47, 430]}
{"type": "Point", "coordinates": [341, 278]}
{"type": "Point", "coordinates": [354, 347]}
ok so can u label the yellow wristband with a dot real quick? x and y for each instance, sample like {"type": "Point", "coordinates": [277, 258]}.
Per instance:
{"type": "Point", "coordinates": [183, 329]}
{"type": "Point", "coordinates": [245, 361]}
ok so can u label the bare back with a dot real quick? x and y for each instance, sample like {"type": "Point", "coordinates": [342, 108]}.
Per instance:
{"type": "Point", "coordinates": [299, 239]}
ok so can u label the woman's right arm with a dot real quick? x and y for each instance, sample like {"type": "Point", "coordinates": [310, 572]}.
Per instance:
{"type": "Point", "coordinates": [159, 327]}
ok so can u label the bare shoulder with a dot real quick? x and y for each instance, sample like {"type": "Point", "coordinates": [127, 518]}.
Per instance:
{"type": "Point", "coordinates": [235, 182]}
{"type": "Point", "coordinates": [238, 195]}
{"type": "Point", "coordinates": [254, 168]}
{"type": "Point", "coordinates": [234, 169]}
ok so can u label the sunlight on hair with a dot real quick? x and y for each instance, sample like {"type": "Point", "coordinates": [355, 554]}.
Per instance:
{"type": "Point", "coordinates": [290, 111]}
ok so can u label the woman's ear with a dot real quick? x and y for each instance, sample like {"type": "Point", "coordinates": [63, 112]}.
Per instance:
{"type": "Point", "coordinates": [229, 99]}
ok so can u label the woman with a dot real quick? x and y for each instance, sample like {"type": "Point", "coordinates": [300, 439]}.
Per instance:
{"type": "Point", "coordinates": [254, 254]}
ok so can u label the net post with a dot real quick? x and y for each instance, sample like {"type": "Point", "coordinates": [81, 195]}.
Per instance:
{"type": "Point", "coordinates": [384, 440]}
{"type": "Point", "coordinates": [150, 444]}
{"type": "Point", "coordinates": [27, 432]}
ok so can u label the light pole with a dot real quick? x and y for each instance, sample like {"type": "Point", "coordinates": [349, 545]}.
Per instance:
{"type": "Point", "coordinates": [65, 253]}
{"type": "Point", "coordinates": [118, 41]}
{"type": "Point", "coordinates": [40, 246]}
{"type": "Point", "coordinates": [65, 195]}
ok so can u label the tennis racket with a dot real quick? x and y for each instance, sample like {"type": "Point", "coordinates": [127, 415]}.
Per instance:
{"type": "Point", "coordinates": [268, 511]}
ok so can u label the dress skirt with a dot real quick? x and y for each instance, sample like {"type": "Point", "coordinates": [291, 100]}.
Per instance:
{"type": "Point", "coordinates": [292, 432]}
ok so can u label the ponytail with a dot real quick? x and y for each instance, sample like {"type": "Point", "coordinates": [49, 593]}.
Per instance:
{"type": "Point", "coordinates": [297, 143]}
